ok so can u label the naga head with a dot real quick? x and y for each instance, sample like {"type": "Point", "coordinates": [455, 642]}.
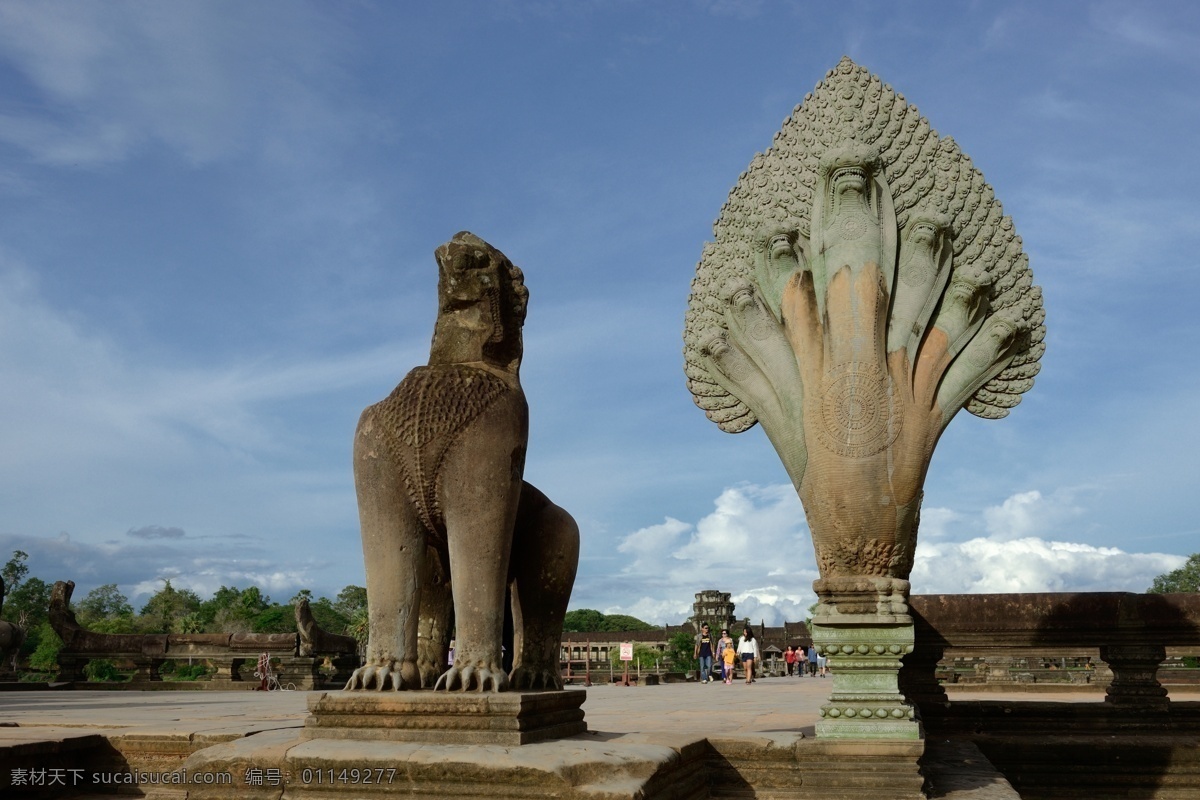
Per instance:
{"type": "Point", "coordinates": [847, 173]}
{"type": "Point", "coordinates": [925, 227]}
{"type": "Point", "coordinates": [481, 305]}
{"type": "Point", "coordinates": [968, 289]}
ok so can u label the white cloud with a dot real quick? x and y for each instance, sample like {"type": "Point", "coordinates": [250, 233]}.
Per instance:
{"type": "Point", "coordinates": [140, 567]}
{"type": "Point", "coordinates": [755, 545]}
{"type": "Point", "coordinates": [653, 609]}
{"type": "Point", "coordinates": [202, 79]}
{"type": "Point", "coordinates": [754, 537]}
{"type": "Point", "coordinates": [937, 522]}
{"type": "Point", "coordinates": [1016, 556]}
{"type": "Point", "coordinates": [989, 565]}
{"type": "Point", "coordinates": [205, 575]}
{"type": "Point", "coordinates": [1028, 513]}
{"type": "Point", "coordinates": [650, 545]}
{"type": "Point", "coordinates": [774, 605]}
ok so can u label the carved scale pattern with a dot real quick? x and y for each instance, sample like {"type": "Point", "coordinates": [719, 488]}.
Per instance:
{"type": "Point", "coordinates": [424, 416]}
{"type": "Point", "coordinates": [776, 192]}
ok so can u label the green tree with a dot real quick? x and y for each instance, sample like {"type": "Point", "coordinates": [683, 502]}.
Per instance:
{"type": "Point", "coordinates": [190, 623]}
{"type": "Point", "coordinates": [124, 624]}
{"type": "Point", "coordinates": [221, 601]}
{"type": "Point", "coordinates": [624, 622]}
{"type": "Point", "coordinates": [233, 610]}
{"type": "Point", "coordinates": [350, 600]}
{"type": "Point", "coordinates": [31, 600]}
{"type": "Point", "coordinates": [25, 600]}
{"type": "Point", "coordinates": [15, 570]}
{"type": "Point", "coordinates": [275, 619]}
{"type": "Point", "coordinates": [583, 620]}
{"type": "Point", "coordinates": [586, 620]}
{"type": "Point", "coordinates": [103, 602]}
{"type": "Point", "coordinates": [1184, 579]}
{"type": "Point", "coordinates": [252, 601]}
{"type": "Point", "coordinates": [359, 628]}
{"type": "Point", "coordinates": [45, 657]}
{"type": "Point", "coordinates": [680, 649]}
{"type": "Point", "coordinates": [167, 606]}
{"type": "Point", "coordinates": [643, 655]}
{"type": "Point", "coordinates": [328, 617]}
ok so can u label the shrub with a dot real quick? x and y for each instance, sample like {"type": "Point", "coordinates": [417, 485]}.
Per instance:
{"type": "Point", "coordinates": [45, 657]}
{"type": "Point", "coordinates": [102, 669]}
{"type": "Point", "coordinates": [190, 672]}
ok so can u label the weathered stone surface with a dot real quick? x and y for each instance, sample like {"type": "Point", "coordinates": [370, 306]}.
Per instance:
{"type": "Point", "coordinates": [642, 766]}
{"type": "Point", "coordinates": [791, 766]}
{"type": "Point", "coordinates": [448, 525]}
{"type": "Point", "coordinates": [1064, 767]}
{"type": "Point", "coordinates": [567, 769]}
{"type": "Point", "coordinates": [507, 718]}
{"type": "Point", "coordinates": [955, 769]}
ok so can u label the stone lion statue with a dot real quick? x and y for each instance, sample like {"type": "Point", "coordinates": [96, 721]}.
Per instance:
{"type": "Point", "coordinates": [448, 524]}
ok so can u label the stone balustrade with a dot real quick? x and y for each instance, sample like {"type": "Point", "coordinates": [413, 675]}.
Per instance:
{"type": "Point", "coordinates": [1132, 634]}
{"type": "Point", "coordinates": [296, 657]}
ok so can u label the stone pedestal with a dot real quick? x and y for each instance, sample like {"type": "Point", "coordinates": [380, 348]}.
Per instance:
{"type": "Point", "coordinates": [863, 627]}
{"type": "Point", "coordinates": [504, 718]}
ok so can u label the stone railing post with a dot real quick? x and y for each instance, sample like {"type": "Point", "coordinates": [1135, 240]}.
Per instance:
{"type": "Point", "coordinates": [70, 667]}
{"type": "Point", "coordinates": [227, 669]}
{"type": "Point", "coordinates": [145, 670]}
{"type": "Point", "coordinates": [999, 668]}
{"type": "Point", "coordinates": [1135, 678]}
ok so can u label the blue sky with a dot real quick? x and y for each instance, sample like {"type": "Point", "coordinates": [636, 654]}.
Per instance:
{"type": "Point", "coordinates": [216, 232]}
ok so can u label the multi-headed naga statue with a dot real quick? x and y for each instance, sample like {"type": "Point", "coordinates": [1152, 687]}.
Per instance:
{"type": "Point", "coordinates": [863, 287]}
{"type": "Point", "coordinates": [448, 524]}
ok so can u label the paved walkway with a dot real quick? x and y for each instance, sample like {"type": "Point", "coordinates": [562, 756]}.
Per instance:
{"type": "Point", "coordinates": [768, 705]}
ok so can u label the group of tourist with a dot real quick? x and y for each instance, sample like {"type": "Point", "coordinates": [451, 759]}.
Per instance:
{"type": "Point", "coordinates": [801, 662]}
{"type": "Point", "coordinates": [724, 652]}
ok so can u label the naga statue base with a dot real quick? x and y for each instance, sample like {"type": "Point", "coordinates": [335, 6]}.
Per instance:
{"type": "Point", "coordinates": [863, 627]}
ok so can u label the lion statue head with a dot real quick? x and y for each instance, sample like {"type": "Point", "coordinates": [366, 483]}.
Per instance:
{"type": "Point", "coordinates": [481, 305]}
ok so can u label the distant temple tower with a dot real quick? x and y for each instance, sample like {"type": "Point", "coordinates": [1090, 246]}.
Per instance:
{"type": "Point", "coordinates": [715, 608]}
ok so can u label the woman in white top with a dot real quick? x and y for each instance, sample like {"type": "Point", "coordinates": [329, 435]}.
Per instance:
{"type": "Point", "coordinates": [748, 651]}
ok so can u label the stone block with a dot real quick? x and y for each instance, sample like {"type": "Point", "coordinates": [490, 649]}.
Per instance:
{"type": "Point", "coordinates": [505, 718]}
